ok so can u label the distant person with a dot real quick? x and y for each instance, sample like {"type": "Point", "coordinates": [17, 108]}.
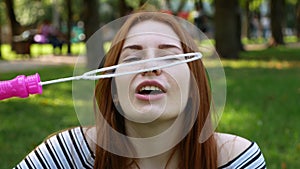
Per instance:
{"type": "Point", "coordinates": [47, 33]}
{"type": "Point", "coordinates": [201, 19]}
{"type": "Point", "coordinates": [265, 24]}
{"type": "Point", "coordinates": [78, 32]}
{"type": "Point", "coordinates": [254, 27]}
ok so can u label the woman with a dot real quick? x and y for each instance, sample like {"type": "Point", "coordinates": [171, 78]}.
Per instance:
{"type": "Point", "coordinates": [155, 117]}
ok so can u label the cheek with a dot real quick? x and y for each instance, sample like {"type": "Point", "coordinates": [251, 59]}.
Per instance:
{"type": "Point", "coordinates": [181, 82]}
{"type": "Point", "coordinates": [181, 75]}
{"type": "Point", "coordinates": [122, 88]}
{"type": "Point", "coordinates": [121, 84]}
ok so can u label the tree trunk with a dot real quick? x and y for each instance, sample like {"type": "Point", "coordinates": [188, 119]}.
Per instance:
{"type": "Point", "coordinates": [0, 41]}
{"type": "Point", "coordinates": [200, 3]}
{"type": "Point", "coordinates": [70, 14]}
{"type": "Point", "coordinates": [248, 19]}
{"type": "Point", "coordinates": [122, 8]}
{"type": "Point", "coordinates": [226, 25]}
{"type": "Point", "coordinates": [16, 27]}
{"type": "Point", "coordinates": [91, 17]}
{"type": "Point", "coordinates": [277, 17]}
{"type": "Point", "coordinates": [239, 29]}
{"type": "Point", "coordinates": [92, 23]}
{"type": "Point", "coordinates": [298, 20]}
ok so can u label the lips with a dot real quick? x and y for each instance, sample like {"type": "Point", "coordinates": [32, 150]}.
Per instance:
{"type": "Point", "coordinates": [150, 90]}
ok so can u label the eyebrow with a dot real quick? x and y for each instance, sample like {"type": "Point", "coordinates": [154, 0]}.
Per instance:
{"type": "Point", "coordinates": [134, 47]}
{"type": "Point", "coordinates": [161, 46]}
{"type": "Point", "coordinates": [167, 46]}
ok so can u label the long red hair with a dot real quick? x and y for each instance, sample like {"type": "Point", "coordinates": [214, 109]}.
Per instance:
{"type": "Point", "coordinates": [192, 153]}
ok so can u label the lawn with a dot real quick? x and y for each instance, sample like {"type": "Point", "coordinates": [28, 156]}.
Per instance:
{"type": "Point", "coordinates": [36, 50]}
{"type": "Point", "coordinates": [263, 93]}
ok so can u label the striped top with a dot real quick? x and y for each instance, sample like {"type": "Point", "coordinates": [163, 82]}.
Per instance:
{"type": "Point", "coordinates": [69, 149]}
{"type": "Point", "coordinates": [250, 158]}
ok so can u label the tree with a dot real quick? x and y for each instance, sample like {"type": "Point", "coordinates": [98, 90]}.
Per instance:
{"type": "Point", "coordinates": [0, 41]}
{"type": "Point", "coordinates": [91, 19]}
{"type": "Point", "coordinates": [16, 27]}
{"type": "Point", "coordinates": [277, 18]}
{"type": "Point", "coordinates": [298, 19]}
{"type": "Point", "coordinates": [123, 7]}
{"type": "Point", "coordinates": [70, 14]}
{"type": "Point", "coordinates": [91, 16]}
{"type": "Point", "coordinates": [1, 21]}
{"type": "Point", "coordinates": [226, 28]}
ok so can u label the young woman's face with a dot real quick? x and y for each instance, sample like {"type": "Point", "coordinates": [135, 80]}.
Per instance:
{"type": "Point", "coordinates": [157, 95]}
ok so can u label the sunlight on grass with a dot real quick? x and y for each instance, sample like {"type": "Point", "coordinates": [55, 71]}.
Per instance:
{"type": "Point", "coordinates": [261, 40]}
{"type": "Point", "coordinates": [290, 39]}
{"type": "Point", "coordinates": [261, 64]}
{"type": "Point", "coordinates": [41, 49]}
{"type": "Point", "coordinates": [280, 53]}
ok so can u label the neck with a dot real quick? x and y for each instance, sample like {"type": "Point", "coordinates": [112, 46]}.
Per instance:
{"type": "Point", "coordinates": [155, 138]}
{"type": "Point", "coordinates": [165, 160]}
{"type": "Point", "coordinates": [144, 130]}
{"type": "Point", "coordinates": [149, 148]}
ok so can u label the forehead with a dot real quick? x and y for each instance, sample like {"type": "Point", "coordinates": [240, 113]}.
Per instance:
{"type": "Point", "coordinates": [152, 29]}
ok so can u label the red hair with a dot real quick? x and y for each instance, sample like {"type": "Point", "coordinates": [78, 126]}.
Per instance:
{"type": "Point", "coordinates": [192, 153]}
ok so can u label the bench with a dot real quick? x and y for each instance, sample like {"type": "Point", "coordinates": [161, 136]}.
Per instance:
{"type": "Point", "coordinates": [22, 43]}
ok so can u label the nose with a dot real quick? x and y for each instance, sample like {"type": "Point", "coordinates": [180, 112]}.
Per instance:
{"type": "Point", "coordinates": [151, 53]}
{"type": "Point", "coordinates": [156, 72]}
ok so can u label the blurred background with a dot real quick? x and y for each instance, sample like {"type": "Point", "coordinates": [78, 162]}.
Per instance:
{"type": "Point", "coordinates": [230, 23]}
{"type": "Point", "coordinates": [257, 40]}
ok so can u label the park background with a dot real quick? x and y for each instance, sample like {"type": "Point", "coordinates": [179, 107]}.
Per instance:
{"type": "Point", "coordinates": [262, 67]}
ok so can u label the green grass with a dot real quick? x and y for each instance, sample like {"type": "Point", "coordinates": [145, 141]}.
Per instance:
{"type": "Point", "coordinates": [37, 50]}
{"type": "Point", "coordinates": [280, 53]}
{"type": "Point", "coordinates": [263, 106]}
{"type": "Point", "coordinates": [261, 40]}
{"type": "Point", "coordinates": [263, 93]}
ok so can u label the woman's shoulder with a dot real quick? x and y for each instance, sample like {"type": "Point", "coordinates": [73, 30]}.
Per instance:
{"type": "Point", "coordinates": [75, 138]}
{"type": "Point", "coordinates": [63, 149]}
{"type": "Point", "coordinates": [230, 146]}
{"type": "Point", "coordinates": [89, 133]}
{"type": "Point", "coordinates": [236, 151]}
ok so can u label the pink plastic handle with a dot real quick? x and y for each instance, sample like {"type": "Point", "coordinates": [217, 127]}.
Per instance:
{"type": "Point", "coordinates": [21, 86]}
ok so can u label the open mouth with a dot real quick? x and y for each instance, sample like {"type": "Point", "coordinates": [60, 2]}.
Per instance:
{"type": "Point", "coordinates": [150, 90]}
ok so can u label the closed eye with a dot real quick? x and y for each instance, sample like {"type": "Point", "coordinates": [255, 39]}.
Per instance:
{"type": "Point", "coordinates": [130, 59]}
{"type": "Point", "coordinates": [173, 58]}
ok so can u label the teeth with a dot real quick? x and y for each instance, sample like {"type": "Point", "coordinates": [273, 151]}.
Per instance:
{"type": "Point", "coordinates": [152, 88]}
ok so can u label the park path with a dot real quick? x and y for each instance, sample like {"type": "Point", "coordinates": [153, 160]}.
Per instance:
{"type": "Point", "coordinates": [42, 61]}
